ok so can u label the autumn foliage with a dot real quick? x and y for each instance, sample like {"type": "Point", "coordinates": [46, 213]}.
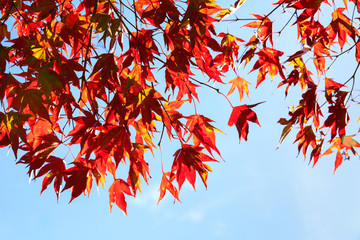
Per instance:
{"type": "Point", "coordinates": [101, 77]}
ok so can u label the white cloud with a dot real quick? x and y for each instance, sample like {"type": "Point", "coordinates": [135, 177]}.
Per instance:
{"type": "Point", "coordinates": [194, 215]}
{"type": "Point", "coordinates": [147, 198]}
{"type": "Point", "coordinates": [220, 228]}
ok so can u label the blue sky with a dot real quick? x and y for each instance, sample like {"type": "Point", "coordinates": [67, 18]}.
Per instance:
{"type": "Point", "coordinates": [257, 193]}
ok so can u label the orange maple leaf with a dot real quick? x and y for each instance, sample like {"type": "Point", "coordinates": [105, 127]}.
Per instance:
{"type": "Point", "coordinates": [344, 143]}
{"type": "Point", "coordinates": [241, 84]}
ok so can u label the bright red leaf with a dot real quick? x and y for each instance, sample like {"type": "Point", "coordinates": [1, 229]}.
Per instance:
{"type": "Point", "coordinates": [240, 117]}
{"type": "Point", "coordinates": [117, 193]}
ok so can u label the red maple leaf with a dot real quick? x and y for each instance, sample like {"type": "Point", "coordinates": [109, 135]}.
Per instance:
{"type": "Point", "coordinates": [189, 160]}
{"type": "Point", "coordinates": [306, 137]}
{"type": "Point", "coordinates": [331, 87]}
{"type": "Point", "coordinates": [116, 194]}
{"type": "Point", "coordinates": [240, 117]}
{"type": "Point", "coordinates": [268, 62]}
{"type": "Point", "coordinates": [341, 26]}
{"type": "Point", "coordinates": [166, 184]}
{"type": "Point", "coordinates": [339, 117]}
{"type": "Point", "coordinates": [54, 171]}
{"type": "Point", "coordinates": [202, 132]}
{"type": "Point", "coordinates": [264, 28]}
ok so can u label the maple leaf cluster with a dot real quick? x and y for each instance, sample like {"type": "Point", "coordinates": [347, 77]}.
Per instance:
{"type": "Point", "coordinates": [107, 75]}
